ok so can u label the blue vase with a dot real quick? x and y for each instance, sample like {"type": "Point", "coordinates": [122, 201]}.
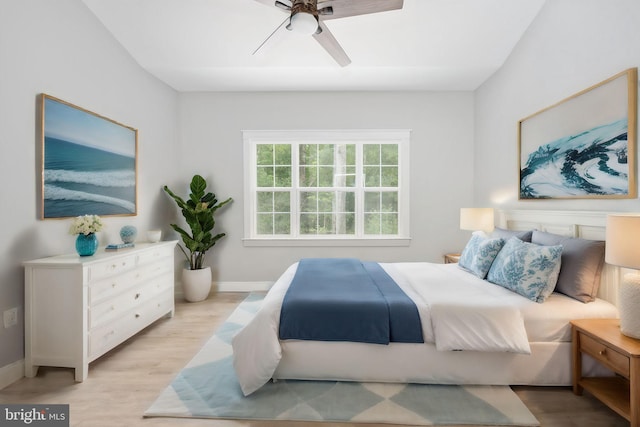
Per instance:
{"type": "Point", "coordinates": [86, 245]}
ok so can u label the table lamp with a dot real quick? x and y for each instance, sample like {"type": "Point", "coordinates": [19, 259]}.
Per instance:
{"type": "Point", "coordinates": [476, 219]}
{"type": "Point", "coordinates": [622, 248]}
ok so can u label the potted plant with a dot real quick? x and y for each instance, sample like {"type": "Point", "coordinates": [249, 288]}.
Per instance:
{"type": "Point", "coordinates": [198, 211]}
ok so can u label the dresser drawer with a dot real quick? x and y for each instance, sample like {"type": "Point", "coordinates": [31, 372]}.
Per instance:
{"type": "Point", "coordinates": [109, 288]}
{"type": "Point", "coordinates": [155, 254]}
{"type": "Point", "coordinates": [104, 338]}
{"type": "Point", "coordinates": [111, 267]}
{"type": "Point", "coordinates": [112, 286]}
{"type": "Point", "coordinates": [130, 299]}
{"type": "Point", "coordinates": [616, 361]}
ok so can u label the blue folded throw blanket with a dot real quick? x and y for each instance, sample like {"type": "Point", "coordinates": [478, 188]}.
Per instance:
{"type": "Point", "coordinates": [345, 299]}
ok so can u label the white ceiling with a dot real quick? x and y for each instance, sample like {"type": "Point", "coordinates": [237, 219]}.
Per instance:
{"type": "Point", "coordinates": [207, 45]}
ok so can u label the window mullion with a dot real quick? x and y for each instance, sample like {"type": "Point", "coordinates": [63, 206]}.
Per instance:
{"type": "Point", "coordinates": [253, 185]}
{"type": "Point", "coordinates": [403, 186]}
{"type": "Point", "coordinates": [359, 190]}
{"type": "Point", "coordinates": [295, 190]}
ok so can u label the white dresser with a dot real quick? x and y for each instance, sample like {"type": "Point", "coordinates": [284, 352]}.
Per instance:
{"type": "Point", "coordinates": [78, 308]}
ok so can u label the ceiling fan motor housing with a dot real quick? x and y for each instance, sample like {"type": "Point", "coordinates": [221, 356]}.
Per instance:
{"type": "Point", "coordinates": [304, 17]}
{"type": "Point", "coordinates": [305, 6]}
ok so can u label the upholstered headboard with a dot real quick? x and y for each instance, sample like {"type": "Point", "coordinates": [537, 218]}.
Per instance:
{"type": "Point", "coordinates": [584, 224]}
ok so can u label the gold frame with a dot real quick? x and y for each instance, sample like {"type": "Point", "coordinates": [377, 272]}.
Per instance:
{"type": "Point", "coordinates": [81, 143]}
{"type": "Point", "coordinates": [543, 134]}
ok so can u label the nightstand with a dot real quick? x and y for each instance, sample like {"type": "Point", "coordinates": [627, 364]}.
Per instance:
{"type": "Point", "coordinates": [602, 340]}
{"type": "Point", "coordinates": [451, 258]}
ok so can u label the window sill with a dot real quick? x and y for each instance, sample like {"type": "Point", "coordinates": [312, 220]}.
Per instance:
{"type": "Point", "coordinates": [337, 242]}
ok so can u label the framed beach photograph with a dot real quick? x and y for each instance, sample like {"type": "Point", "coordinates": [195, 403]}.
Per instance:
{"type": "Point", "coordinates": [89, 162]}
{"type": "Point", "coordinates": [583, 146]}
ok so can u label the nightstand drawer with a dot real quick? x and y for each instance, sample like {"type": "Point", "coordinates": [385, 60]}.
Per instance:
{"type": "Point", "coordinates": [606, 355]}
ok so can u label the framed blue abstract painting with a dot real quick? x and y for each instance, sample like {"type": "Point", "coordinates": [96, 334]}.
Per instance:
{"type": "Point", "coordinates": [583, 146]}
{"type": "Point", "coordinates": [89, 162]}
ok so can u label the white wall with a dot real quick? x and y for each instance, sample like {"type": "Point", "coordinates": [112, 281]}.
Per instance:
{"type": "Point", "coordinates": [570, 46]}
{"type": "Point", "coordinates": [60, 48]}
{"type": "Point", "coordinates": [441, 165]}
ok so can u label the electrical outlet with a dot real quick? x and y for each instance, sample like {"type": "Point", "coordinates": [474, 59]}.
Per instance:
{"type": "Point", "coordinates": [11, 317]}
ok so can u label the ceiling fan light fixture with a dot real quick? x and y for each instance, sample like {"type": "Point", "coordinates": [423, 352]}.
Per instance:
{"type": "Point", "coordinates": [304, 23]}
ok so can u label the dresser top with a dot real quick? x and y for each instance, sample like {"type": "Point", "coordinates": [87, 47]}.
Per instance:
{"type": "Point", "coordinates": [100, 255]}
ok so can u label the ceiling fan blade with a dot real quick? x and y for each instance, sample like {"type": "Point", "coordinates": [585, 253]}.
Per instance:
{"type": "Point", "coordinates": [327, 10]}
{"type": "Point", "coordinates": [345, 8]}
{"type": "Point", "coordinates": [331, 45]}
{"type": "Point", "coordinates": [284, 5]}
{"type": "Point", "coordinates": [282, 25]}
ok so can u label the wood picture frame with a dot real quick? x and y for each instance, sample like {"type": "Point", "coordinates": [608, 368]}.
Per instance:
{"type": "Point", "coordinates": [583, 146]}
{"type": "Point", "coordinates": [88, 162]}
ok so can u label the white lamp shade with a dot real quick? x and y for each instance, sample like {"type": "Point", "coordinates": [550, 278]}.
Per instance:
{"type": "Point", "coordinates": [623, 241]}
{"type": "Point", "coordinates": [476, 219]}
{"type": "Point", "coordinates": [304, 23]}
{"type": "Point", "coordinates": [622, 249]}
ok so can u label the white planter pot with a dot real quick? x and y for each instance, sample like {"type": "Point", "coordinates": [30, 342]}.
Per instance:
{"type": "Point", "coordinates": [196, 284]}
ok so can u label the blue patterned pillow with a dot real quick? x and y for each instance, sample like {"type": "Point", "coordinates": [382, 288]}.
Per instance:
{"type": "Point", "coordinates": [527, 269]}
{"type": "Point", "coordinates": [479, 253]}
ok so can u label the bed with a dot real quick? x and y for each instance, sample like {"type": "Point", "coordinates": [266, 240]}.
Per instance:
{"type": "Point", "coordinates": [528, 342]}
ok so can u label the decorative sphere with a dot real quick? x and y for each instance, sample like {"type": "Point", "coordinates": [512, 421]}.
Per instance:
{"type": "Point", "coordinates": [128, 233]}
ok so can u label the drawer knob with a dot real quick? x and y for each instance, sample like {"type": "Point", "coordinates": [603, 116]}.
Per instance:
{"type": "Point", "coordinates": [602, 352]}
{"type": "Point", "coordinates": [137, 295]}
{"type": "Point", "coordinates": [137, 315]}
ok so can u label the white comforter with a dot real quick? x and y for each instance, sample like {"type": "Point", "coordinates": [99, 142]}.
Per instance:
{"type": "Point", "coordinates": [457, 310]}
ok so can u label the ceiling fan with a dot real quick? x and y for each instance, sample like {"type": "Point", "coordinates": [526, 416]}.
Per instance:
{"type": "Point", "coordinates": [308, 16]}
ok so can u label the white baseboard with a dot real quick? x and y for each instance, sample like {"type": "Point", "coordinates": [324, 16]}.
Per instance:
{"type": "Point", "coordinates": [231, 287]}
{"type": "Point", "coordinates": [11, 373]}
{"type": "Point", "coordinates": [242, 286]}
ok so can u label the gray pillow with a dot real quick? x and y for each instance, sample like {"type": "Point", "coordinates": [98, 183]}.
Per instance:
{"type": "Point", "coordinates": [501, 233]}
{"type": "Point", "coordinates": [582, 262]}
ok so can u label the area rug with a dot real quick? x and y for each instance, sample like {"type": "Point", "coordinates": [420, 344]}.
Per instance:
{"type": "Point", "coordinates": [208, 388]}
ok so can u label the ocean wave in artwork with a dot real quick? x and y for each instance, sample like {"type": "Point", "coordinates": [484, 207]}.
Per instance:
{"type": "Point", "coordinates": [109, 178]}
{"type": "Point", "coordinates": [590, 163]}
{"type": "Point", "coordinates": [53, 192]}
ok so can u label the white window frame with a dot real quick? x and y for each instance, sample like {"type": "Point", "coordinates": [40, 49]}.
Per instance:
{"type": "Point", "coordinates": [252, 138]}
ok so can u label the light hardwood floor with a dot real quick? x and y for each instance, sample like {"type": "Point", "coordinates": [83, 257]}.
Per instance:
{"type": "Point", "coordinates": [123, 383]}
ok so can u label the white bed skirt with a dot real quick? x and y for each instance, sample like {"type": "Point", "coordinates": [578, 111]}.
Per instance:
{"type": "Point", "coordinates": [549, 364]}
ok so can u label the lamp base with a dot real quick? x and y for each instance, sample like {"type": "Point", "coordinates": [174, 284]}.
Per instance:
{"type": "Point", "coordinates": [629, 305]}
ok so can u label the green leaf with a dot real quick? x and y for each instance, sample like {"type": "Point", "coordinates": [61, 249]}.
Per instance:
{"type": "Point", "coordinates": [198, 211]}
{"type": "Point", "coordinates": [198, 185]}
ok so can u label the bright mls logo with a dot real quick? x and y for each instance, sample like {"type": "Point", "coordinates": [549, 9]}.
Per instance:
{"type": "Point", "coordinates": [34, 415]}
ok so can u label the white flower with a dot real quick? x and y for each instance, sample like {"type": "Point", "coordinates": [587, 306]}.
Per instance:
{"type": "Point", "coordinates": [86, 224]}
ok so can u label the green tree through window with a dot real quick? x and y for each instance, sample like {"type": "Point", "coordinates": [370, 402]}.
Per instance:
{"type": "Point", "coordinates": [338, 187]}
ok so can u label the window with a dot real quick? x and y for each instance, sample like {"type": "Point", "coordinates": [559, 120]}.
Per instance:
{"type": "Point", "coordinates": [326, 186]}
